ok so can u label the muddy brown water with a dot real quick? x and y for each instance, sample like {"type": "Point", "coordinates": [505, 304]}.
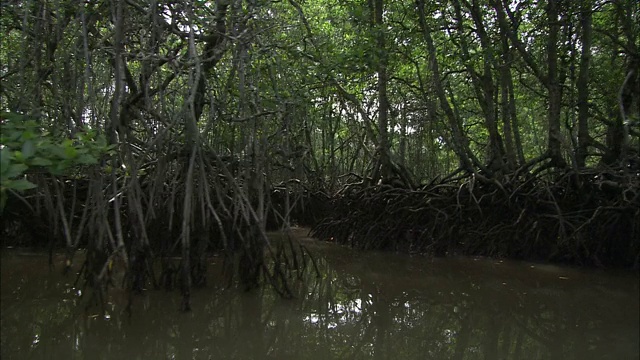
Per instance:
{"type": "Point", "coordinates": [365, 305]}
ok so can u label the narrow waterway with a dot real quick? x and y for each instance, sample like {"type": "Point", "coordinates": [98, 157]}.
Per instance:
{"type": "Point", "coordinates": [363, 306]}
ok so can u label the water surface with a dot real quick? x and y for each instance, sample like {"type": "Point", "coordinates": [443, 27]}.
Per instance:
{"type": "Point", "coordinates": [363, 306]}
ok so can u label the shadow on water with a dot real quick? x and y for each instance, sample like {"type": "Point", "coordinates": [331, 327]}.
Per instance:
{"type": "Point", "coordinates": [365, 305]}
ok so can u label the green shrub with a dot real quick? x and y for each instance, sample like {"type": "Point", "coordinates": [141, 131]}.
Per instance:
{"type": "Point", "coordinates": [26, 146]}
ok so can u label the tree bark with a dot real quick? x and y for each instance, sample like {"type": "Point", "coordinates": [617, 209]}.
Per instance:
{"type": "Point", "coordinates": [554, 90]}
{"type": "Point", "coordinates": [583, 84]}
{"type": "Point", "coordinates": [550, 79]}
{"type": "Point", "coordinates": [483, 83]}
{"type": "Point", "coordinates": [459, 141]}
{"type": "Point", "coordinates": [505, 75]}
{"type": "Point", "coordinates": [383, 101]}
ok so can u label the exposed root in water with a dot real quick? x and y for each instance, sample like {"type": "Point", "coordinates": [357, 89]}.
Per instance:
{"type": "Point", "coordinates": [132, 226]}
{"type": "Point", "coordinates": [586, 218]}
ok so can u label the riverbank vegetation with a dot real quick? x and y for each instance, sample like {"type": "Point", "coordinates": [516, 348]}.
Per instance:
{"type": "Point", "coordinates": [144, 130]}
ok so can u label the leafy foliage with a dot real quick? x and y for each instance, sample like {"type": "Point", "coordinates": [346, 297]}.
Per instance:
{"type": "Point", "coordinates": [27, 147]}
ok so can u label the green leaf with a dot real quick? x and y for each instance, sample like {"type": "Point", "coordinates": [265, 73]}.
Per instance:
{"type": "Point", "coordinates": [14, 170]}
{"type": "Point", "coordinates": [17, 155]}
{"type": "Point", "coordinates": [5, 158]}
{"type": "Point", "coordinates": [101, 142]}
{"type": "Point", "coordinates": [70, 152]}
{"type": "Point", "coordinates": [28, 135]}
{"type": "Point", "coordinates": [21, 185]}
{"type": "Point", "coordinates": [28, 149]}
{"type": "Point", "coordinates": [58, 168]}
{"type": "Point", "coordinates": [39, 161]}
{"type": "Point", "coordinates": [58, 152]}
{"type": "Point", "coordinates": [86, 159]}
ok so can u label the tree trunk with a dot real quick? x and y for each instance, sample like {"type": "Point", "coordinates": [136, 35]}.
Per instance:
{"type": "Point", "coordinates": [550, 80]}
{"type": "Point", "coordinates": [505, 77]}
{"type": "Point", "coordinates": [554, 90]}
{"type": "Point", "coordinates": [583, 84]}
{"type": "Point", "coordinates": [383, 101]}
{"type": "Point", "coordinates": [483, 82]}
{"type": "Point", "coordinates": [458, 142]}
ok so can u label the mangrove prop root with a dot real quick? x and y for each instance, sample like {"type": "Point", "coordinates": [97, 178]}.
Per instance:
{"type": "Point", "coordinates": [584, 218]}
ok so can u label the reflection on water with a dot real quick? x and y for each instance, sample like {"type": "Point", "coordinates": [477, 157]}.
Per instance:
{"type": "Point", "coordinates": [365, 305]}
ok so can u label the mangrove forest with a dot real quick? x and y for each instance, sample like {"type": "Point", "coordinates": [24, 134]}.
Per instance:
{"type": "Point", "coordinates": [141, 138]}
